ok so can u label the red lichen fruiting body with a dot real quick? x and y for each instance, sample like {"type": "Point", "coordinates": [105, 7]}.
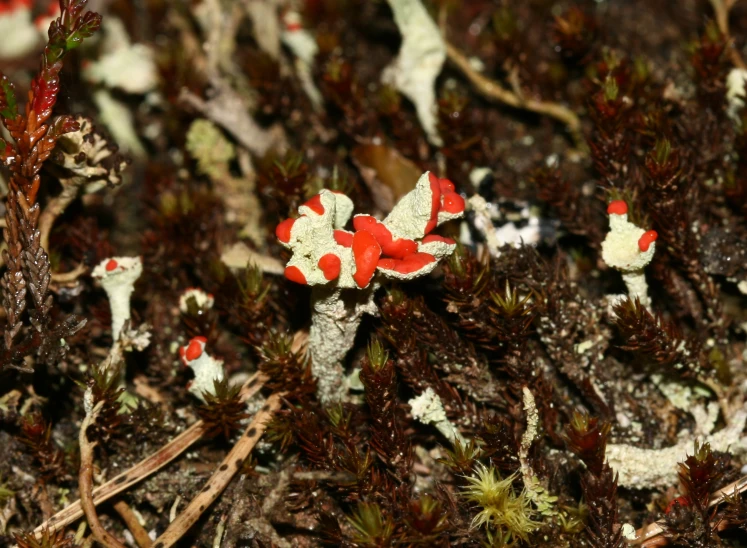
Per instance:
{"type": "Point", "coordinates": [435, 202]}
{"type": "Point", "coordinates": [330, 266]}
{"type": "Point", "coordinates": [111, 265]}
{"type": "Point", "coordinates": [366, 253]}
{"type": "Point", "coordinates": [617, 207]}
{"type": "Point", "coordinates": [343, 237]}
{"type": "Point", "coordinates": [315, 205]}
{"type": "Point", "coordinates": [13, 5]}
{"type": "Point", "coordinates": [377, 230]}
{"type": "Point", "coordinates": [294, 274]}
{"type": "Point", "coordinates": [682, 501]}
{"type": "Point", "coordinates": [446, 185]}
{"type": "Point", "coordinates": [182, 356]}
{"type": "Point", "coordinates": [453, 203]}
{"type": "Point", "coordinates": [436, 238]}
{"type": "Point", "coordinates": [363, 222]}
{"type": "Point", "coordinates": [283, 230]}
{"type": "Point", "coordinates": [399, 248]}
{"type": "Point", "coordinates": [409, 264]}
{"type": "Point", "coordinates": [645, 241]}
{"type": "Point", "coordinates": [194, 350]}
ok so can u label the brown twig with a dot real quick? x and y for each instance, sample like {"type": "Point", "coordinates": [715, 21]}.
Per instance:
{"type": "Point", "coordinates": [85, 481]}
{"type": "Point", "coordinates": [128, 516]}
{"type": "Point", "coordinates": [721, 9]}
{"type": "Point", "coordinates": [54, 209]}
{"type": "Point", "coordinates": [222, 476]}
{"type": "Point", "coordinates": [227, 109]}
{"type": "Point", "coordinates": [495, 91]}
{"type": "Point", "coordinates": [144, 468]}
{"type": "Point", "coordinates": [69, 277]}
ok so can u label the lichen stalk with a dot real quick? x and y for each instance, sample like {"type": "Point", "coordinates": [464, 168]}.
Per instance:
{"type": "Point", "coordinates": [629, 249]}
{"type": "Point", "coordinates": [117, 276]}
{"type": "Point", "coordinates": [334, 323]}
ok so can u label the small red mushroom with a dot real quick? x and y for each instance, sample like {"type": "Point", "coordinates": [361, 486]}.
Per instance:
{"type": "Point", "coordinates": [366, 253]}
{"type": "Point", "coordinates": [294, 274]}
{"type": "Point", "coordinates": [283, 230]}
{"type": "Point", "coordinates": [645, 241]}
{"type": "Point", "coordinates": [617, 207]}
{"type": "Point", "coordinates": [111, 265]}
{"type": "Point", "coordinates": [330, 265]}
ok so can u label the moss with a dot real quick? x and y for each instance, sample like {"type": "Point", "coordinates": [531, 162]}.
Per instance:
{"type": "Point", "coordinates": [506, 515]}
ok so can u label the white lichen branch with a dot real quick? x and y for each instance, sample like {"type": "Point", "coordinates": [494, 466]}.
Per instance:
{"type": "Point", "coordinates": [429, 409]}
{"type": "Point", "coordinates": [641, 468]}
{"type": "Point", "coordinates": [534, 489]}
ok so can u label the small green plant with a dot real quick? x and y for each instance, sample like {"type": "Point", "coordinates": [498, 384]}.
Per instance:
{"type": "Point", "coordinates": [461, 458]}
{"type": "Point", "coordinates": [377, 355]}
{"type": "Point", "coordinates": [572, 519]}
{"type": "Point", "coordinates": [372, 528]}
{"type": "Point", "coordinates": [507, 516]}
{"type": "Point", "coordinates": [5, 493]}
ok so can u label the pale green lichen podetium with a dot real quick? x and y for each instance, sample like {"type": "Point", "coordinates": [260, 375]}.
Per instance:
{"type": "Point", "coordinates": [207, 144]}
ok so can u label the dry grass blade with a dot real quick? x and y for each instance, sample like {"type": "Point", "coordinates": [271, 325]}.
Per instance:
{"type": "Point", "coordinates": [493, 90]}
{"type": "Point", "coordinates": [721, 9]}
{"type": "Point", "coordinates": [144, 468]}
{"type": "Point", "coordinates": [85, 481]}
{"type": "Point", "coordinates": [222, 476]}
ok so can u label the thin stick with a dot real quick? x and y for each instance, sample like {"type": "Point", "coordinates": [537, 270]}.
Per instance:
{"type": "Point", "coordinates": [56, 207]}
{"type": "Point", "coordinates": [128, 516]}
{"type": "Point", "coordinates": [493, 90]}
{"type": "Point", "coordinates": [69, 277]}
{"type": "Point", "coordinates": [85, 481]}
{"type": "Point", "coordinates": [145, 467]}
{"type": "Point", "coordinates": [221, 477]}
{"type": "Point", "coordinates": [721, 9]}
